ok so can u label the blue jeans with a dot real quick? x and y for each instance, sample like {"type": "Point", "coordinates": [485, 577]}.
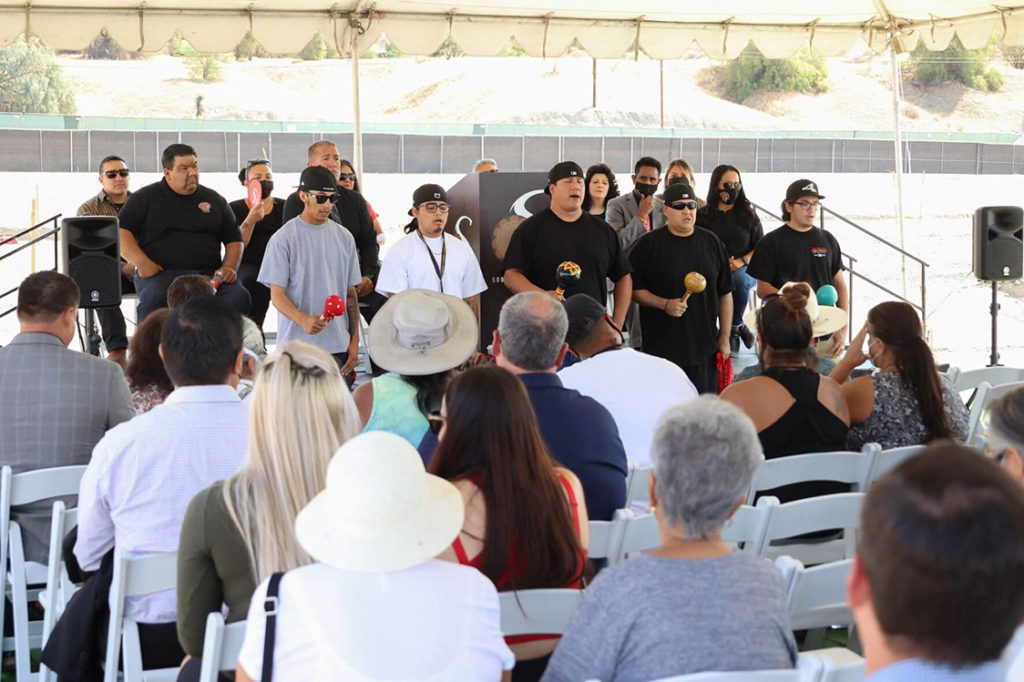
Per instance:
{"type": "Point", "coordinates": [152, 291]}
{"type": "Point", "coordinates": [741, 285]}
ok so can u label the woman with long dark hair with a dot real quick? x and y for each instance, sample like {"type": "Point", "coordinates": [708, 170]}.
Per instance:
{"type": "Point", "coordinates": [729, 214]}
{"type": "Point", "coordinates": [599, 188]}
{"type": "Point", "coordinates": [145, 372]}
{"type": "Point", "coordinates": [349, 180]}
{"type": "Point", "coordinates": [905, 401]}
{"type": "Point", "coordinates": [526, 519]}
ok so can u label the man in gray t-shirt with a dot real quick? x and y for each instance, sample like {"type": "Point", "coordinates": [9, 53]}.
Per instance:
{"type": "Point", "coordinates": [310, 258]}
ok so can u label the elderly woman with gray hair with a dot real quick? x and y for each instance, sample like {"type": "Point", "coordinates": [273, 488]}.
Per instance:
{"type": "Point", "coordinates": [694, 604]}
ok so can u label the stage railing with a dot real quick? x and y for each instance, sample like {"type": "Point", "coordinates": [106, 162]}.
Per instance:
{"type": "Point", "coordinates": [53, 225]}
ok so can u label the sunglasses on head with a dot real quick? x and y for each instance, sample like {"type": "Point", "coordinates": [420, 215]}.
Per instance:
{"type": "Point", "coordinates": [124, 172]}
{"type": "Point", "coordinates": [257, 162]}
{"type": "Point", "coordinates": [324, 198]}
{"type": "Point", "coordinates": [680, 205]}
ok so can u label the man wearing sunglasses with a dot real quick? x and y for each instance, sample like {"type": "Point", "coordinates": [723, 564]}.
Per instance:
{"type": "Point", "coordinates": [310, 258]}
{"type": "Point", "coordinates": [689, 333]}
{"type": "Point", "coordinates": [114, 192]}
{"type": "Point", "coordinates": [800, 252]}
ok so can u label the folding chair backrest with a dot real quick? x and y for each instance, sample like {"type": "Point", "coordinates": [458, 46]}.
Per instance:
{"type": "Point", "coordinates": [606, 536]}
{"type": "Point", "coordinates": [886, 460]}
{"type": "Point", "coordinates": [58, 586]}
{"type": "Point", "coordinates": [976, 408]}
{"type": "Point", "coordinates": [537, 612]}
{"type": "Point", "coordinates": [748, 525]}
{"type": "Point", "coordinates": [638, 483]}
{"type": "Point", "coordinates": [840, 467]}
{"type": "Point", "coordinates": [993, 394]}
{"type": "Point", "coordinates": [808, 669]}
{"type": "Point", "coordinates": [817, 595]}
{"type": "Point", "coordinates": [970, 379]}
{"type": "Point", "coordinates": [815, 514]}
{"type": "Point", "coordinates": [221, 646]}
{"type": "Point", "coordinates": [639, 534]}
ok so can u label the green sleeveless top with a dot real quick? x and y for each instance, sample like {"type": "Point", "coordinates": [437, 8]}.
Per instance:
{"type": "Point", "coordinates": [395, 411]}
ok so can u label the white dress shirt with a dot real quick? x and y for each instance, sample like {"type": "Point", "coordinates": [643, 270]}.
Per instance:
{"type": "Point", "coordinates": [144, 472]}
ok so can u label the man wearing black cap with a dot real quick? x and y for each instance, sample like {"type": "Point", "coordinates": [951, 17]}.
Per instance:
{"type": "Point", "coordinates": [800, 252]}
{"type": "Point", "coordinates": [635, 387]}
{"type": "Point", "coordinates": [689, 333]}
{"type": "Point", "coordinates": [427, 258]}
{"type": "Point", "coordinates": [310, 258]}
{"type": "Point", "coordinates": [565, 232]}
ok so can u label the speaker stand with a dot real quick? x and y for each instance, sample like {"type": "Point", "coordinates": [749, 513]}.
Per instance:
{"type": "Point", "coordinates": [92, 334]}
{"type": "Point", "coordinates": [994, 311]}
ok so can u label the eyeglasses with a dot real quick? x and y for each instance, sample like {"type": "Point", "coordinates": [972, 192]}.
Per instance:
{"type": "Point", "coordinates": [324, 198]}
{"type": "Point", "coordinates": [436, 422]}
{"type": "Point", "coordinates": [347, 176]}
{"type": "Point", "coordinates": [124, 172]}
{"type": "Point", "coordinates": [807, 205]}
{"type": "Point", "coordinates": [680, 205]}
{"type": "Point", "coordinates": [435, 208]}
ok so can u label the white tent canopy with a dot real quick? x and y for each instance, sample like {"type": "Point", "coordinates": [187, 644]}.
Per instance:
{"type": "Point", "coordinates": [606, 29]}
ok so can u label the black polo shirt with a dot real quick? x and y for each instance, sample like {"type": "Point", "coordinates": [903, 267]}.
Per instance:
{"type": "Point", "coordinates": [351, 213]}
{"type": "Point", "coordinates": [739, 229]}
{"type": "Point", "coordinates": [180, 232]}
{"type": "Point", "coordinates": [786, 255]}
{"type": "Point", "coordinates": [545, 240]}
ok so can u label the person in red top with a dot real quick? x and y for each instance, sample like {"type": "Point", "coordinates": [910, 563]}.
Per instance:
{"type": "Point", "coordinates": [526, 520]}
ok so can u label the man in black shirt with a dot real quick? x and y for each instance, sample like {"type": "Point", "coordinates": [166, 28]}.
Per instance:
{"type": "Point", "coordinates": [565, 232]}
{"type": "Point", "coordinates": [257, 224]}
{"type": "Point", "coordinates": [689, 333]}
{"type": "Point", "coordinates": [800, 252]}
{"type": "Point", "coordinates": [176, 227]}
{"type": "Point", "coordinates": [351, 213]}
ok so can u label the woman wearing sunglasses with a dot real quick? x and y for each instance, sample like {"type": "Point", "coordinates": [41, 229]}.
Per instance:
{"type": "Point", "coordinates": [258, 224]}
{"type": "Point", "coordinates": [349, 180]}
{"type": "Point", "coordinates": [729, 214]}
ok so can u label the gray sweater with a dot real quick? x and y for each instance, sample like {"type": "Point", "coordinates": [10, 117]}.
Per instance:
{"type": "Point", "coordinates": [654, 617]}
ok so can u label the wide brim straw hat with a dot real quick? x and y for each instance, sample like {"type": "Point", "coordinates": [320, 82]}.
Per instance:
{"type": "Point", "coordinates": [420, 332]}
{"type": "Point", "coordinates": [825, 319]}
{"type": "Point", "coordinates": [381, 511]}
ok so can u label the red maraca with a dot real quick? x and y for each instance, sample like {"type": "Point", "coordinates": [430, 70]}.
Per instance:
{"type": "Point", "coordinates": [216, 281]}
{"type": "Point", "coordinates": [333, 307]}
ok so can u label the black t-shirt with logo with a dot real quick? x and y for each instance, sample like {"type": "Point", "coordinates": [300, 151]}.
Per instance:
{"type": "Point", "coordinates": [786, 255]}
{"type": "Point", "coordinates": [180, 232]}
{"type": "Point", "coordinates": [261, 231]}
{"type": "Point", "coordinates": [544, 240]}
{"type": "Point", "coordinates": [661, 260]}
{"type": "Point", "coordinates": [738, 229]}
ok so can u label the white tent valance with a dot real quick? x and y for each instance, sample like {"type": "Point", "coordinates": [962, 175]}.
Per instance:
{"type": "Point", "coordinates": [606, 29]}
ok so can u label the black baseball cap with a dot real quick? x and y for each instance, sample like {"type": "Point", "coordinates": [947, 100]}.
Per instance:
{"type": "Point", "coordinates": [678, 191]}
{"type": "Point", "coordinates": [803, 188]}
{"type": "Point", "coordinates": [560, 171]}
{"type": "Point", "coordinates": [583, 312]}
{"type": "Point", "coordinates": [426, 193]}
{"type": "Point", "coordinates": [317, 179]}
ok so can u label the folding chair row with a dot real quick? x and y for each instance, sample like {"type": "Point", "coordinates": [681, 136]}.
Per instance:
{"type": "Point", "coordinates": [985, 395]}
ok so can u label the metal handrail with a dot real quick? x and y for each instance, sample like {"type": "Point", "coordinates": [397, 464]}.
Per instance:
{"type": "Point", "coordinates": [50, 233]}
{"type": "Point", "coordinates": [826, 209]}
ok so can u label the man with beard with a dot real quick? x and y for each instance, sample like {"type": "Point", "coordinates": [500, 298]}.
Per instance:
{"type": "Point", "coordinates": [565, 232]}
{"type": "Point", "coordinates": [177, 227]}
{"type": "Point", "coordinates": [689, 333]}
{"type": "Point", "coordinates": [258, 224]}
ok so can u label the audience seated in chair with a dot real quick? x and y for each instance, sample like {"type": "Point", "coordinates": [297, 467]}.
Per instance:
{"type": "Point", "coordinates": [143, 473]}
{"type": "Point", "coordinates": [579, 432]}
{"type": "Point", "coordinates": [238, 532]}
{"type": "Point", "coordinates": [526, 521]}
{"type": "Point", "coordinates": [905, 401]}
{"type": "Point", "coordinates": [936, 586]}
{"type": "Point", "coordinates": [377, 605]}
{"type": "Point", "coordinates": [696, 603]}
{"type": "Point", "coordinates": [145, 372]}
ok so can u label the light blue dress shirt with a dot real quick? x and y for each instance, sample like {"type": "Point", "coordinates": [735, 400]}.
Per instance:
{"type": "Point", "coordinates": [920, 670]}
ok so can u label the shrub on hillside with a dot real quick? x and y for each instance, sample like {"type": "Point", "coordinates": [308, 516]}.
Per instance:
{"type": "Point", "coordinates": [1014, 55]}
{"type": "Point", "coordinates": [752, 71]}
{"type": "Point", "coordinates": [955, 64]}
{"type": "Point", "coordinates": [249, 48]}
{"type": "Point", "coordinates": [32, 81]}
{"type": "Point", "coordinates": [177, 46]}
{"type": "Point", "coordinates": [105, 47]}
{"type": "Point", "coordinates": [205, 68]}
{"type": "Point", "coordinates": [316, 49]}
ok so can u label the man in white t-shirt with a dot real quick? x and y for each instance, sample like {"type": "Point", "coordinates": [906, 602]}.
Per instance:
{"type": "Point", "coordinates": [635, 387]}
{"type": "Point", "coordinates": [427, 258]}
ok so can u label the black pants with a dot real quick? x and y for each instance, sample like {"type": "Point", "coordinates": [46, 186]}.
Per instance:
{"type": "Point", "coordinates": [341, 359]}
{"type": "Point", "coordinates": [153, 291]}
{"type": "Point", "coordinates": [247, 274]}
{"type": "Point", "coordinates": [704, 376]}
{"type": "Point", "coordinates": [369, 305]}
{"type": "Point", "coordinates": [531, 670]}
{"type": "Point", "coordinates": [158, 642]}
{"type": "Point", "coordinates": [112, 324]}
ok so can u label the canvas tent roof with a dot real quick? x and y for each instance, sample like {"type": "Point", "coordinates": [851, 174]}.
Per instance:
{"type": "Point", "coordinates": [606, 29]}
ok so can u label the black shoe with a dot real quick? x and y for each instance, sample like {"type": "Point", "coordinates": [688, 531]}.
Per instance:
{"type": "Point", "coordinates": [746, 335]}
{"type": "Point", "coordinates": [734, 345]}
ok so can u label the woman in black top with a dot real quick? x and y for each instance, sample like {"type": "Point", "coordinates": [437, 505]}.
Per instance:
{"type": "Point", "coordinates": [600, 187]}
{"type": "Point", "coordinates": [729, 214]}
{"type": "Point", "coordinates": [256, 234]}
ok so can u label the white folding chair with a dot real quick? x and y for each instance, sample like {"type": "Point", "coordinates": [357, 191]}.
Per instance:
{"type": "Point", "coordinates": [16, 490]}
{"type": "Point", "coordinates": [59, 587]}
{"type": "Point", "coordinates": [808, 669]}
{"type": "Point", "coordinates": [839, 467]}
{"type": "Point", "coordinates": [970, 379]}
{"type": "Point", "coordinates": [221, 646]}
{"type": "Point", "coordinates": [840, 665]}
{"type": "Point", "coordinates": [748, 525]}
{"type": "Point", "coordinates": [135, 577]}
{"type": "Point", "coordinates": [364, 345]}
{"type": "Point", "coordinates": [816, 596]}
{"type": "Point", "coordinates": [535, 612]}
{"type": "Point", "coordinates": [886, 460]}
{"type": "Point", "coordinates": [640, 532]}
{"type": "Point", "coordinates": [812, 515]}
{"type": "Point", "coordinates": [986, 395]}
{"type": "Point", "coordinates": [606, 536]}
{"type": "Point", "coordinates": [638, 483]}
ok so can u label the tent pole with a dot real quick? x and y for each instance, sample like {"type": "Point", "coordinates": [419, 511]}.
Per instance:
{"type": "Point", "coordinates": [898, 151]}
{"type": "Point", "coordinates": [593, 98]}
{"type": "Point", "coordinates": [661, 89]}
{"type": "Point", "coordinates": [357, 127]}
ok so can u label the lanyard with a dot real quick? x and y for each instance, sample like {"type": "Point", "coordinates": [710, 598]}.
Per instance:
{"type": "Point", "coordinates": [433, 261]}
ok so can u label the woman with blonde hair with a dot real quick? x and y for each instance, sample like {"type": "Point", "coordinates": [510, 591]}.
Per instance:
{"type": "Point", "coordinates": [238, 532]}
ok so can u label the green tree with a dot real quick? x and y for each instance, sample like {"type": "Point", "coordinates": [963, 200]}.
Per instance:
{"type": "Point", "coordinates": [955, 64]}
{"type": "Point", "coordinates": [205, 68]}
{"type": "Point", "coordinates": [177, 46]}
{"type": "Point", "coordinates": [449, 48]}
{"type": "Point", "coordinates": [31, 81]}
{"type": "Point", "coordinates": [104, 46]}
{"type": "Point", "coordinates": [752, 71]}
{"type": "Point", "coordinates": [317, 48]}
{"type": "Point", "coordinates": [249, 48]}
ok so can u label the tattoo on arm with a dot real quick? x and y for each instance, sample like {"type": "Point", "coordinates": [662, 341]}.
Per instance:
{"type": "Point", "coordinates": [352, 305]}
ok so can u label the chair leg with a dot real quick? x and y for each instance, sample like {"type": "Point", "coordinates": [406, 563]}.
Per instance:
{"type": "Point", "coordinates": [19, 601]}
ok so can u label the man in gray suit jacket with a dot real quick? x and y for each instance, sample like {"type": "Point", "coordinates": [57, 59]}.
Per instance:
{"type": "Point", "coordinates": [55, 403]}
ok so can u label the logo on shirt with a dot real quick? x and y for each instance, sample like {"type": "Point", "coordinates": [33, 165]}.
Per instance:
{"type": "Point", "coordinates": [205, 206]}
{"type": "Point", "coordinates": [819, 252]}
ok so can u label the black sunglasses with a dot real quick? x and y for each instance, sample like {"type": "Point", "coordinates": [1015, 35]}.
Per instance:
{"type": "Point", "coordinates": [436, 422]}
{"type": "Point", "coordinates": [324, 198]}
{"type": "Point", "coordinates": [731, 185]}
{"type": "Point", "coordinates": [680, 205]}
{"type": "Point", "coordinates": [124, 172]}
{"type": "Point", "coordinates": [257, 162]}
{"type": "Point", "coordinates": [347, 176]}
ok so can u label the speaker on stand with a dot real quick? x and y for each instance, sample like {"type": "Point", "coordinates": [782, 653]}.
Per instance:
{"type": "Point", "coordinates": [998, 255]}
{"type": "Point", "coordinates": [92, 259]}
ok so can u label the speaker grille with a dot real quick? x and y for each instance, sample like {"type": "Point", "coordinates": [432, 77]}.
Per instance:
{"type": "Point", "coordinates": [99, 278]}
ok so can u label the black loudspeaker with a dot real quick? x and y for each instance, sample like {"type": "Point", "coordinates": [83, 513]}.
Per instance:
{"type": "Point", "coordinates": [999, 243]}
{"type": "Point", "coordinates": [92, 259]}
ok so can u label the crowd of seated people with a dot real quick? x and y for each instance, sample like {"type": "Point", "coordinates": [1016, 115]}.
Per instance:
{"type": "Point", "coordinates": [391, 518]}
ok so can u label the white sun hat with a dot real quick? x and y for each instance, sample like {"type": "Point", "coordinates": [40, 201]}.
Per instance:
{"type": "Point", "coordinates": [825, 319]}
{"type": "Point", "coordinates": [381, 511]}
{"type": "Point", "coordinates": [420, 332]}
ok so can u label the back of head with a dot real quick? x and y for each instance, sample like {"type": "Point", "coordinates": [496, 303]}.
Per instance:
{"type": "Point", "coordinates": [200, 342]}
{"type": "Point", "coordinates": [941, 543]}
{"type": "Point", "coordinates": [784, 324]}
{"type": "Point", "coordinates": [44, 296]}
{"type": "Point", "coordinates": [145, 368]}
{"type": "Point", "coordinates": [1006, 417]}
{"type": "Point", "coordinates": [704, 454]}
{"type": "Point", "coordinates": [186, 287]}
{"type": "Point", "coordinates": [896, 323]}
{"type": "Point", "coordinates": [532, 328]}
{"type": "Point", "coordinates": [301, 414]}
{"type": "Point", "coordinates": [491, 434]}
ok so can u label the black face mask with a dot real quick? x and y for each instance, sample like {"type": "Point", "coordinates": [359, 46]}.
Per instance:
{"type": "Point", "coordinates": [644, 189]}
{"type": "Point", "coordinates": [266, 187]}
{"type": "Point", "coordinates": [728, 194]}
